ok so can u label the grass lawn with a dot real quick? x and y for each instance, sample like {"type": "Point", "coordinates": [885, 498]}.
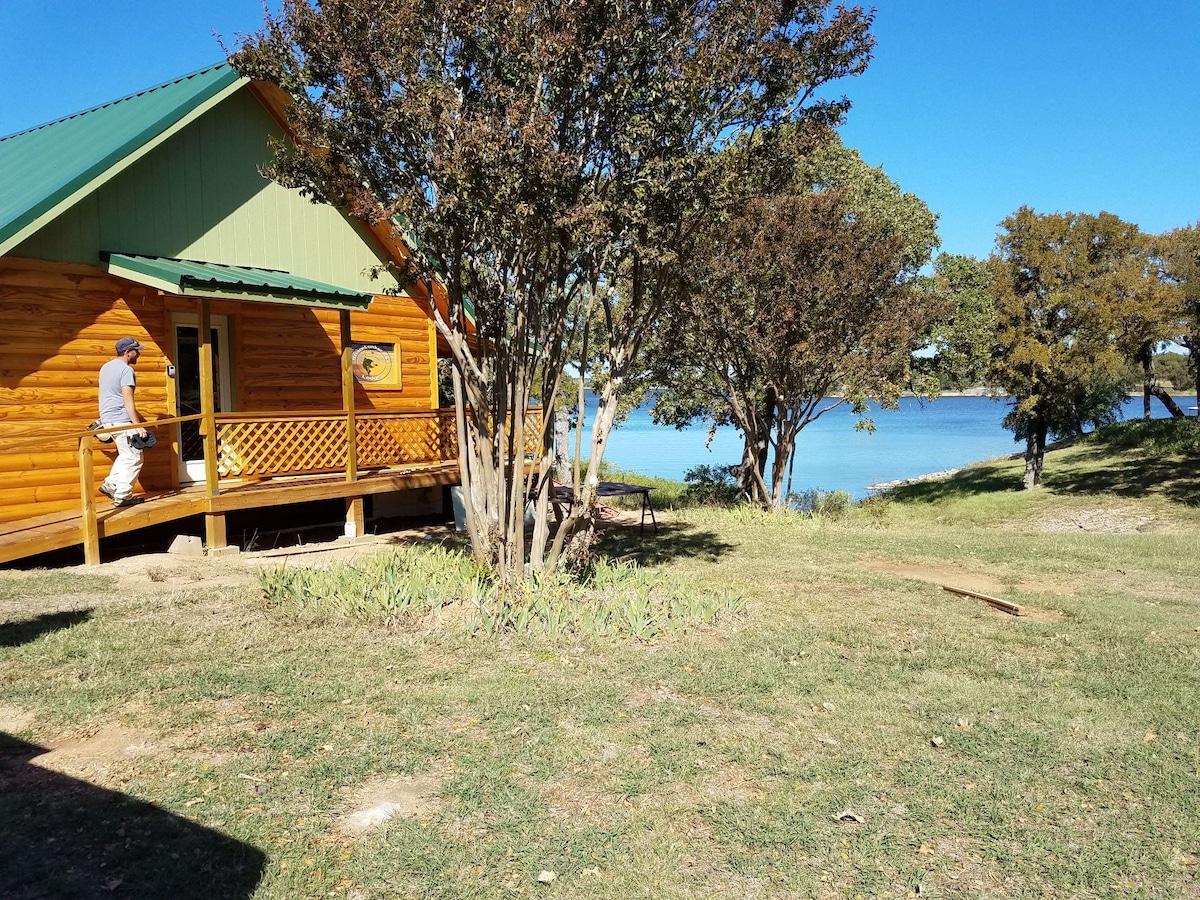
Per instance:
{"type": "Point", "coordinates": [854, 731]}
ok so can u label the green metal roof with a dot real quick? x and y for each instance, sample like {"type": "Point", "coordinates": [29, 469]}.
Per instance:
{"type": "Point", "coordinates": [49, 166]}
{"type": "Point", "coordinates": [187, 278]}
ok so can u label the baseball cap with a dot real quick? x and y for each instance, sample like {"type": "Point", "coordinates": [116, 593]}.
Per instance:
{"type": "Point", "coordinates": [125, 344]}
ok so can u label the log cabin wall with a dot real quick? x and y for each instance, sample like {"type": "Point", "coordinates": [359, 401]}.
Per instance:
{"type": "Point", "coordinates": [61, 322]}
{"type": "Point", "coordinates": [60, 325]}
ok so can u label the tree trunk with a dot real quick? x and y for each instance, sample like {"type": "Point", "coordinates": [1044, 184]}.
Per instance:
{"type": "Point", "coordinates": [1167, 400]}
{"type": "Point", "coordinates": [1151, 387]}
{"type": "Point", "coordinates": [1194, 353]}
{"type": "Point", "coordinates": [1035, 453]}
{"type": "Point", "coordinates": [1147, 359]}
{"type": "Point", "coordinates": [562, 459]}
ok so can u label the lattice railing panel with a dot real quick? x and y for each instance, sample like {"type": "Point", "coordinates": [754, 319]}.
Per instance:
{"type": "Point", "coordinates": [533, 430]}
{"type": "Point", "coordinates": [276, 445]}
{"type": "Point", "coordinates": [281, 446]}
{"type": "Point", "coordinates": [394, 440]}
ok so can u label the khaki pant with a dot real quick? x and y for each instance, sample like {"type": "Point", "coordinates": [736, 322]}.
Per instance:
{"type": "Point", "coordinates": [126, 468]}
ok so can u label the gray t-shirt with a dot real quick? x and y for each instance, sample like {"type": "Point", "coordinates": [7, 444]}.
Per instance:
{"type": "Point", "coordinates": [115, 374]}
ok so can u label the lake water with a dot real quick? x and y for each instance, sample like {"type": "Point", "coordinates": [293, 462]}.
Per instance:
{"type": "Point", "coordinates": [948, 433]}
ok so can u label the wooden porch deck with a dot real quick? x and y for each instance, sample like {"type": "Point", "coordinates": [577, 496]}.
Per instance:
{"type": "Point", "coordinates": [56, 531]}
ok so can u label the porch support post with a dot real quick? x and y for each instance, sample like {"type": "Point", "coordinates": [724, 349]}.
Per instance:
{"type": "Point", "coordinates": [354, 505]}
{"type": "Point", "coordinates": [87, 488]}
{"type": "Point", "coordinates": [348, 397]}
{"type": "Point", "coordinates": [214, 523]}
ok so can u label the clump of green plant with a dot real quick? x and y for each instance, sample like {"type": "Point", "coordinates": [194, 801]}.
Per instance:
{"type": "Point", "coordinates": [408, 581]}
{"type": "Point", "coordinates": [1157, 437]}
{"type": "Point", "coordinates": [611, 599]}
{"type": "Point", "coordinates": [876, 507]}
{"type": "Point", "coordinates": [607, 600]}
{"type": "Point", "coordinates": [710, 486]}
{"type": "Point", "coordinates": [821, 504]}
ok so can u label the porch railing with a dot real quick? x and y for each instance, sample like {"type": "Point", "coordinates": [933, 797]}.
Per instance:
{"type": "Point", "coordinates": [262, 445]}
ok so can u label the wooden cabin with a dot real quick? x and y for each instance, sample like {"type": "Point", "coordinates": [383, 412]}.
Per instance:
{"type": "Point", "coordinates": [279, 367]}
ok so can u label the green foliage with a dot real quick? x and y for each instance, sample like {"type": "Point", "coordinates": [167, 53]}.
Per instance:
{"type": "Point", "coordinates": [1180, 253]}
{"type": "Point", "coordinates": [1154, 437]}
{"type": "Point", "coordinates": [710, 485]}
{"type": "Point", "coordinates": [1077, 408]}
{"type": "Point", "coordinates": [820, 504]}
{"type": "Point", "coordinates": [1174, 368]}
{"type": "Point", "coordinates": [1063, 286]}
{"type": "Point", "coordinates": [392, 586]}
{"type": "Point", "coordinates": [963, 340]}
{"type": "Point", "coordinates": [608, 600]}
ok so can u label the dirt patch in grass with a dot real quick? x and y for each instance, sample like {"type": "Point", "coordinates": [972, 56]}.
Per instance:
{"type": "Point", "coordinates": [730, 784]}
{"type": "Point", "coordinates": [1042, 586]}
{"type": "Point", "coordinates": [1104, 519]}
{"type": "Point", "coordinates": [1039, 614]}
{"type": "Point", "coordinates": [956, 863]}
{"type": "Point", "coordinates": [983, 584]}
{"type": "Point", "coordinates": [390, 797]}
{"type": "Point", "coordinates": [14, 719]}
{"type": "Point", "coordinates": [92, 753]}
{"type": "Point", "coordinates": [571, 797]}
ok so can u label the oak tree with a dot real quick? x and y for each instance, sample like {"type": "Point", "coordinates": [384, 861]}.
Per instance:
{"type": "Point", "coordinates": [1180, 251]}
{"type": "Point", "coordinates": [1055, 279]}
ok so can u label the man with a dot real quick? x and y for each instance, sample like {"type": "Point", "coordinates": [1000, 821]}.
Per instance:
{"type": "Point", "coordinates": [117, 384]}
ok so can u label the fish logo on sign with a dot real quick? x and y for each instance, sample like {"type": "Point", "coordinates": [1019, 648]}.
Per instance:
{"type": "Point", "coordinates": [372, 364]}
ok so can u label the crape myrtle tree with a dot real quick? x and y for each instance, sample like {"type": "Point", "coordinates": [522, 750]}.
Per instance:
{"type": "Point", "coordinates": [544, 156]}
{"type": "Point", "coordinates": [1180, 251]}
{"type": "Point", "coordinates": [1057, 290]}
{"type": "Point", "coordinates": [800, 302]}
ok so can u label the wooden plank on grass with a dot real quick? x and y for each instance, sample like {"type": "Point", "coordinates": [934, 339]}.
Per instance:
{"type": "Point", "coordinates": [1011, 608]}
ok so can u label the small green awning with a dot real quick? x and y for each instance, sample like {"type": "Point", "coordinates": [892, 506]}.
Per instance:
{"type": "Point", "coordinates": [187, 278]}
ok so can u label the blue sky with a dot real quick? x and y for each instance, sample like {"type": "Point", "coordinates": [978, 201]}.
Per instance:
{"type": "Point", "coordinates": [976, 106]}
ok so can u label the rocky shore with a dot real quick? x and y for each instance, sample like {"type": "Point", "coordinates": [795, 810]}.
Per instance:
{"type": "Point", "coordinates": [928, 476]}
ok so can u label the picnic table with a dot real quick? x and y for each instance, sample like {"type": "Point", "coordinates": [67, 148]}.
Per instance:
{"type": "Point", "coordinates": [564, 495]}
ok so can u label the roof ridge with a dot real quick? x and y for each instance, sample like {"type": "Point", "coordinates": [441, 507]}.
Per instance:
{"type": "Point", "coordinates": [168, 83]}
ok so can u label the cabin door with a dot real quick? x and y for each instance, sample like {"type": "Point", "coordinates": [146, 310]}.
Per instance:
{"type": "Point", "coordinates": [187, 386]}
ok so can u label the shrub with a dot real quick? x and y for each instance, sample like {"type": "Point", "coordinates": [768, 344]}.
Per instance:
{"type": "Point", "coordinates": [710, 485]}
{"type": "Point", "coordinates": [821, 504]}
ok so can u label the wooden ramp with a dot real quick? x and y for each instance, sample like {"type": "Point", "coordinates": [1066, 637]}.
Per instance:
{"type": "Point", "coordinates": [56, 531]}
{"type": "Point", "coordinates": [64, 529]}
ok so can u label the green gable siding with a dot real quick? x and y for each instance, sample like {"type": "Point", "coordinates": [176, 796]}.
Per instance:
{"type": "Point", "coordinates": [200, 196]}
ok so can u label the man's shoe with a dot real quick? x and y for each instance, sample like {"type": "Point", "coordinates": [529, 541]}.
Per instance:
{"type": "Point", "coordinates": [129, 501]}
{"type": "Point", "coordinates": [106, 491]}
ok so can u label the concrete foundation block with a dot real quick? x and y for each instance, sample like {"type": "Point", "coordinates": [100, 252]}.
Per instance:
{"type": "Point", "coordinates": [230, 550]}
{"type": "Point", "coordinates": [187, 545]}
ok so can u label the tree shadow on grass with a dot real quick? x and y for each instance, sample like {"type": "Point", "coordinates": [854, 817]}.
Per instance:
{"type": "Point", "coordinates": [14, 634]}
{"type": "Point", "coordinates": [1132, 477]}
{"type": "Point", "coordinates": [672, 541]}
{"type": "Point", "coordinates": [67, 838]}
{"type": "Point", "coordinates": [1095, 470]}
{"type": "Point", "coordinates": [984, 479]}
